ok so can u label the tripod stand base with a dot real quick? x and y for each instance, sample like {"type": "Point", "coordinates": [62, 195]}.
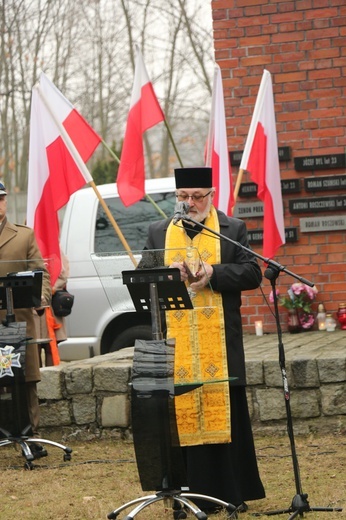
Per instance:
{"type": "Point", "coordinates": [24, 442]}
{"type": "Point", "coordinates": [299, 506]}
{"type": "Point", "coordinates": [173, 497]}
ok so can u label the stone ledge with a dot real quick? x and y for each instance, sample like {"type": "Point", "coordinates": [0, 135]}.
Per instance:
{"type": "Point", "coordinates": [93, 394]}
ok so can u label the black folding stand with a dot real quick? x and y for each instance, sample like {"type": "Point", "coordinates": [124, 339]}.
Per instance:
{"type": "Point", "coordinates": [158, 454]}
{"type": "Point", "coordinates": [19, 290]}
{"type": "Point", "coordinates": [299, 504]}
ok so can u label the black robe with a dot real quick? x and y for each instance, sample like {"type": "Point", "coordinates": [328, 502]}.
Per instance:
{"type": "Point", "coordinates": [229, 471]}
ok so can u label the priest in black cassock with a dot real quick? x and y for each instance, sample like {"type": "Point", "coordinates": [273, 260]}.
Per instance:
{"type": "Point", "coordinates": [213, 421]}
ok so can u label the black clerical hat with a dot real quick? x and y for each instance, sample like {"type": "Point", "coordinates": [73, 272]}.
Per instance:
{"type": "Point", "coordinates": [199, 177]}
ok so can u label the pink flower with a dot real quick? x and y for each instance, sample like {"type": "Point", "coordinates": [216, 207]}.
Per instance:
{"type": "Point", "coordinates": [298, 288]}
{"type": "Point", "coordinates": [306, 321]}
{"type": "Point", "coordinates": [271, 295]}
{"type": "Point", "coordinates": [311, 292]}
{"type": "Point", "coordinates": [299, 297]}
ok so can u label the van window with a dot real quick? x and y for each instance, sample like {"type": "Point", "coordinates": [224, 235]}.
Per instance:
{"type": "Point", "coordinates": [133, 221]}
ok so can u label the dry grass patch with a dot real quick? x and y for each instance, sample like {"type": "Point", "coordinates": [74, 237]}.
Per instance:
{"type": "Point", "coordinates": [102, 476]}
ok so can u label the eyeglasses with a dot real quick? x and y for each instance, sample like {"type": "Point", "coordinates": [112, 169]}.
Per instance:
{"type": "Point", "coordinates": [195, 198]}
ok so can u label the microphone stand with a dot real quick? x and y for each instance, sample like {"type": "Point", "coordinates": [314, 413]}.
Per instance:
{"type": "Point", "coordinates": [299, 504]}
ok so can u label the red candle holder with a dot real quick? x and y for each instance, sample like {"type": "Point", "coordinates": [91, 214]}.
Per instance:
{"type": "Point", "coordinates": [341, 315]}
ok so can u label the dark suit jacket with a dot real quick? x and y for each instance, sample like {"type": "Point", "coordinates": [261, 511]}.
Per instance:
{"type": "Point", "coordinates": [238, 271]}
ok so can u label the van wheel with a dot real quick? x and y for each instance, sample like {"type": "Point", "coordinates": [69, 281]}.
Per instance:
{"type": "Point", "coordinates": [129, 336]}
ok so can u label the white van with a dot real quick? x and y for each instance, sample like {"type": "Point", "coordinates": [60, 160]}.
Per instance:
{"type": "Point", "coordinates": [94, 327]}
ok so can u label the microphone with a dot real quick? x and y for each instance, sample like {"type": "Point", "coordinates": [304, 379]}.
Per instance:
{"type": "Point", "coordinates": [180, 211]}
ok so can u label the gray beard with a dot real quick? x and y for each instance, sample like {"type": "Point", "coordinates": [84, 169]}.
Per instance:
{"type": "Point", "coordinates": [200, 216]}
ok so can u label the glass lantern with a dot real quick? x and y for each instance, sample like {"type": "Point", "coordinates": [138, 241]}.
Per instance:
{"type": "Point", "coordinates": [341, 314]}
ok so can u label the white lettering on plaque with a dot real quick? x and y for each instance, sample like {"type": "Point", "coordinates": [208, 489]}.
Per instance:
{"type": "Point", "coordinates": [245, 209]}
{"type": "Point", "coordinates": [332, 223]}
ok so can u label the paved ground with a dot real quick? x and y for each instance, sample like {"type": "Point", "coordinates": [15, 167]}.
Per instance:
{"type": "Point", "coordinates": [304, 344]}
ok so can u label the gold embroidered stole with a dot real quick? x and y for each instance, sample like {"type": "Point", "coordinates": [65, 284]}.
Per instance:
{"type": "Point", "coordinates": [203, 414]}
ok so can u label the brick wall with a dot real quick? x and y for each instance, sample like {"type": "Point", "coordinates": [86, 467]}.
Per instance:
{"type": "Point", "coordinates": [303, 45]}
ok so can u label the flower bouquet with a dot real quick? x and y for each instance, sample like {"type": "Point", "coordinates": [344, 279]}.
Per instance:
{"type": "Point", "coordinates": [299, 300]}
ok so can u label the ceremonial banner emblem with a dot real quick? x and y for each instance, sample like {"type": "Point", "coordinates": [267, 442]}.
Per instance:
{"type": "Point", "coordinates": [8, 360]}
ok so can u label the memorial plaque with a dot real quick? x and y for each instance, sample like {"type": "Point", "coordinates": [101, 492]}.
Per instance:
{"type": "Point", "coordinates": [235, 157]}
{"type": "Point", "coordinates": [283, 151]}
{"type": "Point", "coordinates": [319, 162]}
{"type": "Point", "coordinates": [325, 223]}
{"type": "Point", "coordinates": [291, 234]}
{"type": "Point", "coordinates": [249, 189]}
{"type": "Point", "coordinates": [290, 186]}
{"type": "Point", "coordinates": [247, 210]}
{"type": "Point", "coordinates": [318, 204]}
{"type": "Point", "coordinates": [328, 183]}
{"type": "Point", "coordinates": [256, 235]}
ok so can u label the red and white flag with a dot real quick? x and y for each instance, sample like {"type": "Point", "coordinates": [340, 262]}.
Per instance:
{"type": "Point", "coordinates": [217, 149]}
{"type": "Point", "coordinates": [144, 113]}
{"type": "Point", "coordinates": [261, 159]}
{"type": "Point", "coordinates": [61, 142]}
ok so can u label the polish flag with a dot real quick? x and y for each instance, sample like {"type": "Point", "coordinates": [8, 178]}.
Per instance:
{"type": "Point", "coordinates": [144, 113]}
{"type": "Point", "coordinates": [61, 142]}
{"type": "Point", "coordinates": [261, 159]}
{"type": "Point", "coordinates": [217, 149]}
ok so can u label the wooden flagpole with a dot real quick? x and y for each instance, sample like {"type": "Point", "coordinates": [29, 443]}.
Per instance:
{"type": "Point", "coordinates": [173, 143]}
{"type": "Point", "coordinates": [211, 121]}
{"type": "Point", "coordinates": [150, 199]}
{"type": "Point", "coordinates": [237, 186]}
{"type": "Point", "coordinates": [86, 174]}
{"type": "Point", "coordinates": [113, 222]}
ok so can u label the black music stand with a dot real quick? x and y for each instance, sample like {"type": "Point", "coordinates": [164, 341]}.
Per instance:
{"type": "Point", "coordinates": [18, 290]}
{"type": "Point", "coordinates": [158, 453]}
